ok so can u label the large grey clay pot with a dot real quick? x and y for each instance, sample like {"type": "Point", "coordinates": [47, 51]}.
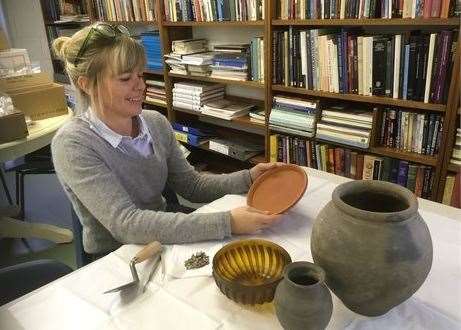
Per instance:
{"type": "Point", "coordinates": [374, 246]}
{"type": "Point", "coordinates": [302, 300]}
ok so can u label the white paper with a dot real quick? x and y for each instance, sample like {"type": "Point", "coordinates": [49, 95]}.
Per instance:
{"type": "Point", "coordinates": [55, 308]}
{"type": "Point", "coordinates": [157, 309]}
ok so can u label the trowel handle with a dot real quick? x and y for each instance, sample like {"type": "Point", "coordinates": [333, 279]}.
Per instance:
{"type": "Point", "coordinates": [146, 252]}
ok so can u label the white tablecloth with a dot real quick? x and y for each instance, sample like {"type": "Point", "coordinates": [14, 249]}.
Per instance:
{"type": "Point", "coordinates": [182, 300]}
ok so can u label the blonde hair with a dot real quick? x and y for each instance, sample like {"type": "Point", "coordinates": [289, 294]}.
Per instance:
{"type": "Point", "coordinates": [103, 55]}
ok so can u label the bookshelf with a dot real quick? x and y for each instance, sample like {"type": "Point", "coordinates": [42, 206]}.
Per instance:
{"type": "Point", "coordinates": [377, 25]}
{"type": "Point", "coordinates": [170, 31]}
{"type": "Point", "coordinates": [62, 18]}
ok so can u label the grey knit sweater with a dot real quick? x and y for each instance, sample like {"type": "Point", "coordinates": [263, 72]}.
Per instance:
{"type": "Point", "coordinates": [118, 196]}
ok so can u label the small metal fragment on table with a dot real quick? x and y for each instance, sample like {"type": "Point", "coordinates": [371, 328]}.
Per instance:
{"type": "Point", "coordinates": [197, 260]}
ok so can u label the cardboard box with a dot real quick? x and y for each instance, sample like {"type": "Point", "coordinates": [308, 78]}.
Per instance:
{"type": "Point", "coordinates": [24, 82]}
{"type": "Point", "coordinates": [12, 127]}
{"type": "Point", "coordinates": [40, 102]}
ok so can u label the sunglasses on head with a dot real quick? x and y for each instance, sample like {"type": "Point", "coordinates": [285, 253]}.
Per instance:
{"type": "Point", "coordinates": [104, 29]}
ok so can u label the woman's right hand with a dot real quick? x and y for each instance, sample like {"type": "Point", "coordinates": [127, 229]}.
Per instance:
{"type": "Point", "coordinates": [247, 220]}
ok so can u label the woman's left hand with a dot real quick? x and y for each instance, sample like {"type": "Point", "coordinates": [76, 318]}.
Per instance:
{"type": "Point", "coordinates": [259, 169]}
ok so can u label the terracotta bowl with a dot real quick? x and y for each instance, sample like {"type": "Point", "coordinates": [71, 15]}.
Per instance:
{"type": "Point", "coordinates": [248, 271]}
{"type": "Point", "coordinates": [278, 189]}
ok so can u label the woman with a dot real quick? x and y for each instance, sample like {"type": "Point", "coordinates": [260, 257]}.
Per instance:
{"type": "Point", "coordinates": [114, 160]}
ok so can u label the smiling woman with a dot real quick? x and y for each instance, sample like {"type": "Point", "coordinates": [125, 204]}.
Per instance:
{"type": "Point", "coordinates": [114, 160]}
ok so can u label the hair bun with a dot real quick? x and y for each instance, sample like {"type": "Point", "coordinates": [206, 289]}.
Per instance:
{"type": "Point", "coordinates": [59, 47]}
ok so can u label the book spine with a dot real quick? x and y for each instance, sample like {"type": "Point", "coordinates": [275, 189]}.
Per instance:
{"type": "Point", "coordinates": [429, 67]}
{"type": "Point", "coordinates": [359, 167]}
{"type": "Point", "coordinates": [442, 72]}
{"type": "Point", "coordinates": [402, 173]}
{"type": "Point", "coordinates": [389, 67]}
{"type": "Point", "coordinates": [397, 51]}
{"type": "Point", "coordinates": [379, 65]}
{"type": "Point", "coordinates": [368, 166]}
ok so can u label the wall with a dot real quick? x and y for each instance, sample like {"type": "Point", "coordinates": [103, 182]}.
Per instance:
{"type": "Point", "coordinates": [45, 199]}
{"type": "Point", "coordinates": [26, 29]}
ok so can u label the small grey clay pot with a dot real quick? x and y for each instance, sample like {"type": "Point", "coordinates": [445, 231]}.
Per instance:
{"type": "Point", "coordinates": [302, 300]}
{"type": "Point", "coordinates": [374, 246]}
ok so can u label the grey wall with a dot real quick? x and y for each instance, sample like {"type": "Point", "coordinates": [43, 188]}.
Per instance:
{"type": "Point", "coordinates": [26, 29]}
{"type": "Point", "coordinates": [45, 200]}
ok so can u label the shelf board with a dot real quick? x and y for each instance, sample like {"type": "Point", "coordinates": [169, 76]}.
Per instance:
{"type": "Point", "coordinates": [454, 168]}
{"type": "Point", "coordinates": [361, 98]}
{"type": "Point", "coordinates": [214, 24]}
{"type": "Point", "coordinates": [131, 22]}
{"type": "Point", "coordinates": [248, 83]}
{"type": "Point", "coordinates": [156, 72]}
{"type": "Point", "coordinates": [158, 104]}
{"type": "Point", "coordinates": [382, 151]}
{"type": "Point", "coordinates": [409, 156]}
{"type": "Point", "coordinates": [417, 22]}
{"type": "Point", "coordinates": [236, 123]}
{"type": "Point", "coordinates": [253, 160]}
{"type": "Point", "coordinates": [57, 23]}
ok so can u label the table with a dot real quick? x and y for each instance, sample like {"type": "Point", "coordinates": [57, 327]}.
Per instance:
{"type": "Point", "coordinates": [40, 134]}
{"type": "Point", "coordinates": [195, 302]}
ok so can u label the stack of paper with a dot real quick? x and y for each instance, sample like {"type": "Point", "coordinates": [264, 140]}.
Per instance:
{"type": "Point", "coordinates": [231, 62]}
{"type": "Point", "coordinates": [293, 116]}
{"type": "Point", "coordinates": [155, 91]}
{"type": "Point", "coordinates": [226, 109]}
{"type": "Point", "coordinates": [350, 127]}
{"type": "Point", "coordinates": [192, 96]}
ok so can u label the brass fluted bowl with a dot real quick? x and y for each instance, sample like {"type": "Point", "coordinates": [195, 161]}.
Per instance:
{"type": "Point", "coordinates": [248, 271]}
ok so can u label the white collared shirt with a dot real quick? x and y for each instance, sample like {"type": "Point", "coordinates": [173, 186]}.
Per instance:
{"type": "Point", "coordinates": [141, 144]}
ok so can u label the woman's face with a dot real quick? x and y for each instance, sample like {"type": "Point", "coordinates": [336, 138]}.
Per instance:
{"type": "Point", "coordinates": [123, 94]}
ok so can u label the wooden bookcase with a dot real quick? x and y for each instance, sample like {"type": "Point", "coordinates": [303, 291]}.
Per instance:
{"type": "Point", "coordinates": [51, 29]}
{"type": "Point", "coordinates": [181, 30]}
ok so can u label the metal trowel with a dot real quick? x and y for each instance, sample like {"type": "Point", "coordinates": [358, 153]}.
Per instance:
{"type": "Point", "coordinates": [147, 252]}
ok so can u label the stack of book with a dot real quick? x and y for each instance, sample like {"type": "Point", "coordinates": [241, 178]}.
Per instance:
{"type": "Point", "coordinates": [192, 96]}
{"type": "Point", "coordinates": [155, 91]}
{"type": "Point", "coordinates": [350, 127]}
{"type": "Point", "coordinates": [410, 131]}
{"type": "Point", "coordinates": [153, 49]}
{"type": "Point", "coordinates": [231, 62]}
{"type": "Point", "coordinates": [456, 155]}
{"type": "Point", "coordinates": [189, 54]}
{"type": "Point", "coordinates": [351, 163]}
{"type": "Point", "coordinates": [198, 64]}
{"type": "Point", "coordinates": [189, 46]}
{"type": "Point", "coordinates": [214, 10]}
{"type": "Point", "coordinates": [257, 116]}
{"type": "Point", "coordinates": [192, 134]}
{"type": "Point", "coordinates": [303, 9]}
{"type": "Point", "coordinates": [226, 109]}
{"type": "Point", "coordinates": [124, 10]}
{"type": "Point", "coordinates": [294, 116]}
{"type": "Point", "coordinates": [411, 66]}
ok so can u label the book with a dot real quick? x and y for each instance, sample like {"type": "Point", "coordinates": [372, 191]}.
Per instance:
{"type": "Point", "coordinates": [368, 167]}
{"type": "Point", "coordinates": [365, 116]}
{"type": "Point", "coordinates": [448, 189]}
{"type": "Point", "coordinates": [198, 87]}
{"type": "Point", "coordinates": [347, 122]}
{"type": "Point", "coordinates": [343, 129]}
{"type": "Point", "coordinates": [343, 138]}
